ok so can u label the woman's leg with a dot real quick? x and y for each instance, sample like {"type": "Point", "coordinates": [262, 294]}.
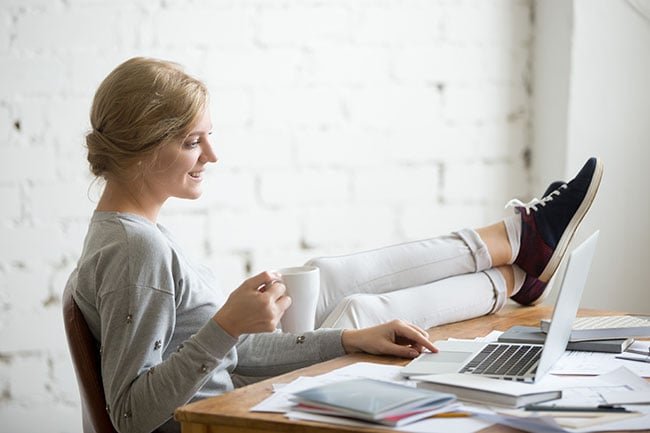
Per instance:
{"type": "Point", "coordinates": [399, 266]}
{"type": "Point", "coordinates": [444, 301]}
{"type": "Point", "coordinates": [535, 239]}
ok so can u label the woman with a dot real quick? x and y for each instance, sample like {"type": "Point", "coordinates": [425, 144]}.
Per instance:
{"type": "Point", "coordinates": [167, 335]}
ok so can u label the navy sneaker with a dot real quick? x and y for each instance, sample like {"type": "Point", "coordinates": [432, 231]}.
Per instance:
{"type": "Point", "coordinates": [548, 225]}
{"type": "Point", "coordinates": [533, 291]}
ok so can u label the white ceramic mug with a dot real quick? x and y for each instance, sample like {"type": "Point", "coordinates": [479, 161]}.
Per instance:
{"type": "Point", "coordinates": [303, 285]}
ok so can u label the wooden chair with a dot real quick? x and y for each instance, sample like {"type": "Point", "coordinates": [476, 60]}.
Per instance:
{"type": "Point", "coordinates": [86, 360]}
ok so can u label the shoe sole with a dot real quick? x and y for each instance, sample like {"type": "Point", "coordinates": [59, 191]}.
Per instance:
{"type": "Point", "coordinates": [549, 287]}
{"type": "Point", "coordinates": [573, 225]}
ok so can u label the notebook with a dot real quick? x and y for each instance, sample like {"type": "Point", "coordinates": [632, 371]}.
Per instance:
{"type": "Point", "coordinates": [532, 335]}
{"type": "Point", "coordinates": [520, 362]}
{"type": "Point", "coordinates": [599, 327]}
{"type": "Point", "coordinates": [372, 400]}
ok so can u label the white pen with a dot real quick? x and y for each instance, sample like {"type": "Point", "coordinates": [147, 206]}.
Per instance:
{"type": "Point", "coordinates": [629, 358]}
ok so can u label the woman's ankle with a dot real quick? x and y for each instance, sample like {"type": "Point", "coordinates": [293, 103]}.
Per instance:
{"type": "Point", "coordinates": [496, 240]}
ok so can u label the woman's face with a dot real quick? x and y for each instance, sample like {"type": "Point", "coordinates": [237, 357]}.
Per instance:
{"type": "Point", "coordinates": [178, 169]}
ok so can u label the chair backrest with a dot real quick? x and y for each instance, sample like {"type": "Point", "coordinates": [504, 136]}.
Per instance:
{"type": "Point", "coordinates": [86, 360]}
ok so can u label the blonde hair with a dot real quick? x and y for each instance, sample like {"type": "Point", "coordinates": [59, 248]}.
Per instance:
{"type": "Point", "coordinates": [140, 105]}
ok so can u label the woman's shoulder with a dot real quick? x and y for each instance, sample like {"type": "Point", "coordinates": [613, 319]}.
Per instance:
{"type": "Point", "coordinates": [128, 230]}
{"type": "Point", "coordinates": [119, 239]}
{"type": "Point", "coordinates": [130, 248]}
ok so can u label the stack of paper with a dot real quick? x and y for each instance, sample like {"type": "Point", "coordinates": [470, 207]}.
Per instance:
{"type": "Point", "coordinates": [618, 387]}
{"type": "Point", "coordinates": [372, 400]}
{"type": "Point", "coordinates": [533, 335]}
{"type": "Point", "coordinates": [486, 390]}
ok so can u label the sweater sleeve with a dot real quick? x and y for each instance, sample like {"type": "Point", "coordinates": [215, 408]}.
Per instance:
{"type": "Point", "coordinates": [143, 390]}
{"type": "Point", "coordinates": [271, 354]}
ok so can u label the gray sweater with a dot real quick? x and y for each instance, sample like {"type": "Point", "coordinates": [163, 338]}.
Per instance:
{"type": "Point", "coordinates": [151, 310]}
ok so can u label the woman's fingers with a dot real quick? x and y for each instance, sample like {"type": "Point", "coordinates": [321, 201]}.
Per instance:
{"type": "Point", "coordinates": [271, 284]}
{"type": "Point", "coordinates": [256, 306]}
{"type": "Point", "coordinates": [398, 338]}
{"type": "Point", "coordinates": [275, 288]}
{"type": "Point", "coordinates": [264, 280]}
{"type": "Point", "coordinates": [283, 302]}
{"type": "Point", "coordinates": [412, 335]}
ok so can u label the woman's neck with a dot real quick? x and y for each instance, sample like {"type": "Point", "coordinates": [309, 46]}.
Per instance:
{"type": "Point", "coordinates": [120, 197]}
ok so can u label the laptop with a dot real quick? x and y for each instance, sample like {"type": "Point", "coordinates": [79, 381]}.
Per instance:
{"type": "Point", "coordinates": [510, 361]}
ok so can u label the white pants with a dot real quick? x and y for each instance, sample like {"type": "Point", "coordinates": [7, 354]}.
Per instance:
{"type": "Point", "coordinates": [428, 282]}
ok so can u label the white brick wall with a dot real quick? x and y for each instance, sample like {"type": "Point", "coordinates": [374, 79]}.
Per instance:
{"type": "Point", "coordinates": [339, 125]}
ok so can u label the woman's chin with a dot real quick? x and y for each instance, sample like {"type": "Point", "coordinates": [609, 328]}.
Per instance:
{"type": "Point", "coordinates": [192, 195]}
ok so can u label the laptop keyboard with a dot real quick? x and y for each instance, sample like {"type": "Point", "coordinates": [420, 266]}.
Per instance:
{"type": "Point", "coordinates": [507, 360]}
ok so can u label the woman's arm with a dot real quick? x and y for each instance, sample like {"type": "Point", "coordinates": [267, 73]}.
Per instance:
{"type": "Point", "coordinates": [264, 355]}
{"type": "Point", "coordinates": [143, 390]}
{"type": "Point", "coordinates": [397, 338]}
{"type": "Point", "coordinates": [271, 354]}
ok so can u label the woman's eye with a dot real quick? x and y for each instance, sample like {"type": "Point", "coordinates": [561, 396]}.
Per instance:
{"type": "Point", "coordinates": [192, 144]}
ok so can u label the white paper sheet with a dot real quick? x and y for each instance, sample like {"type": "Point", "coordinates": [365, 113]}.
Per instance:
{"type": "Point", "coordinates": [492, 337]}
{"type": "Point", "coordinates": [593, 363]}
{"type": "Point", "coordinates": [593, 390]}
{"type": "Point", "coordinates": [432, 425]}
{"type": "Point", "coordinates": [578, 390]}
{"type": "Point", "coordinates": [640, 347]}
{"type": "Point", "coordinates": [590, 391]}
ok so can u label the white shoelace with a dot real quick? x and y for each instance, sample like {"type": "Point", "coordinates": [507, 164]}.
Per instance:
{"type": "Point", "coordinates": [516, 203]}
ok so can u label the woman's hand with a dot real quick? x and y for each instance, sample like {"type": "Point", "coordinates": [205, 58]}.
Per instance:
{"type": "Point", "coordinates": [255, 306]}
{"type": "Point", "coordinates": [397, 338]}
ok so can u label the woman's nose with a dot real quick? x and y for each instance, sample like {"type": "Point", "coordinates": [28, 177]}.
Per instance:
{"type": "Point", "coordinates": [208, 154]}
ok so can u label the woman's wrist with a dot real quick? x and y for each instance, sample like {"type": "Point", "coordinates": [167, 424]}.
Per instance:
{"type": "Point", "coordinates": [224, 324]}
{"type": "Point", "coordinates": [348, 338]}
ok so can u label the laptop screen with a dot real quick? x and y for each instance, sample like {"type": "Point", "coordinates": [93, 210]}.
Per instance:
{"type": "Point", "coordinates": [567, 303]}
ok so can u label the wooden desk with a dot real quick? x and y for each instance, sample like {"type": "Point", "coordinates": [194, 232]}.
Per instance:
{"type": "Point", "coordinates": [229, 412]}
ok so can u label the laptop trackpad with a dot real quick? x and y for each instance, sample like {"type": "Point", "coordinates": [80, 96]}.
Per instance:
{"type": "Point", "coordinates": [451, 357]}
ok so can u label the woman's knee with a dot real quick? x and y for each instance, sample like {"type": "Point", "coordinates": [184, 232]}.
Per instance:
{"type": "Point", "coordinates": [355, 311]}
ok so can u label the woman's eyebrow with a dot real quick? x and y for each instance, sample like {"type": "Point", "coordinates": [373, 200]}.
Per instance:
{"type": "Point", "coordinates": [199, 132]}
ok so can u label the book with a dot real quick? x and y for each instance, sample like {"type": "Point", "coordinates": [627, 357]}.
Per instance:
{"type": "Point", "coordinates": [606, 327]}
{"type": "Point", "coordinates": [372, 400]}
{"type": "Point", "coordinates": [532, 335]}
{"type": "Point", "coordinates": [487, 390]}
